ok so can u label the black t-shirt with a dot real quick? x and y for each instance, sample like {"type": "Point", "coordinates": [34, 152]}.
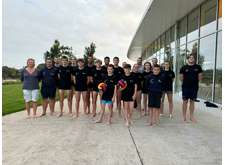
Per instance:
{"type": "Point", "coordinates": [48, 77]}
{"type": "Point", "coordinates": [104, 69]}
{"type": "Point", "coordinates": [154, 83]}
{"type": "Point", "coordinates": [98, 76]}
{"type": "Point", "coordinates": [167, 80]}
{"type": "Point", "coordinates": [90, 69]}
{"type": "Point", "coordinates": [64, 76]}
{"type": "Point", "coordinates": [138, 78]}
{"type": "Point", "coordinates": [131, 81]}
{"type": "Point", "coordinates": [118, 72]}
{"type": "Point", "coordinates": [190, 74]}
{"type": "Point", "coordinates": [80, 77]}
{"type": "Point", "coordinates": [110, 82]}
{"type": "Point", "coordinates": [144, 78]}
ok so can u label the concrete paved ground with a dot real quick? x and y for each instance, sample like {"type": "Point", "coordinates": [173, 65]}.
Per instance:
{"type": "Point", "coordinates": [65, 141]}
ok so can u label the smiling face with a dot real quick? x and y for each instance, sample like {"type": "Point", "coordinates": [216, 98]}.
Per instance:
{"type": "Point", "coordinates": [147, 66]}
{"type": "Point", "coordinates": [90, 60]}
{"type": "Point", "coordinates": [65, 62]}
{"type": "Point", "coordinates": [106, 61]}
{"type": "Point", "coordinates": [110, 70]}
{"type": "Point", "coordinates": [48, 63]}
{"type": "Point", "coordinates": [135, 68]}
{"type": "Point", "coordinates": [30, 63]}
{"type": "Point", "coordinates": [166, 65]}
{"type": "Point", "coordinates": [115, 61]}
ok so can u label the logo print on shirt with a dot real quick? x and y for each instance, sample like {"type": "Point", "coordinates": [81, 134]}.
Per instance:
{"type": "Point", "coordinates": [186, 70]}
{"type": "Point", "coordinates": [196, 70]}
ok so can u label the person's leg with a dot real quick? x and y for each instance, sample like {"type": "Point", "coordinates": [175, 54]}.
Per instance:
{"type": "Point", "coordinates": [157, 113]}
{"type": "Point", "coordinates": [84, 97]}
{"type": "Point", "coordinates": [131, 106]}
{"type": "Point", "coordinates": [138, 99]}
{"type": "Point", "coordinates": [77, 95]}
{"type": "Point", "coordinates": [162, 103]}
{"type": "Point", "coordinates": [94, 101]}
{"type": "Point", "coordinates": [150, 116]}
{"type": "Point", "coordinates": [101, 113]}
{"type": "Point", "coordinates": [44, 106]}
{"type": "Point", "coordinates": [192, 108]}
{"type": "Point", "coordinates": [126, 110]}
{"type": "Point", "coordinates": [110, 113]}
{"type": "Point", "coordinates": [185, 102]}
{"type": "Point", "coordinates": [61, 100]}
{"type": "Point", "coordinates": [27, 104]}
{"type": "Point", "coordinates": [154, 116]}
{"type": "Point", "coordinates": [34, 104]}
{"type": "Point", "coordinates": [170, 100]}
{"type": "Point", "coordinates": [69, 101]}
{"type": "Point", "coordinates": [118, 102]}
{"type": "Point", "coordinates": [52, 105]}
{"type": "Point", "coordinates": [145, 97]}
{"type": "Point", "coordinates": [88, 100]}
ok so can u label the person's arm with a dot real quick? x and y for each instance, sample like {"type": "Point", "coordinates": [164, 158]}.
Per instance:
{"type": "Point", "coordinates": [200, 73]}
{"type": "Point", "coordinates": [181, 74]}
{"type": "Point", "coordinates": [22, 75]}
{"type": "Point", "coordinates": [114, 93]}
{"type": "Point", "coordinates": [135, 92]}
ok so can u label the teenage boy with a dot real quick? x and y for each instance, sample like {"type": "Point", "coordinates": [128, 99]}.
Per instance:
{"type": "Point", "coordinates": [167, 86]}
{"type": "Point", "coordinates": [129, 94]}
{"type": "Point", "coordinates": [190, 75]}
{"type": "Point", "coordinates": [90, 67]}
{"type": "Point", "coordinates": [65, 84]}
{"type": "Point", "coordinates": [118, 72]}
{"type": "Point", "coordinates": [154, 84]}
{"type": "Point", "coordinates": [104, 67]}
{"type": "Point", "coordinates": [108, 96]}
{"type": "Point", "coordinates": [96, 79]}
{"type": "Point", "coordinates": [80, 78]}
{"type": "Point", "coordinates": [48, 76]}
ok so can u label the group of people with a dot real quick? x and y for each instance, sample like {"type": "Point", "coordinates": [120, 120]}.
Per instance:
{"type": "Point", "coordinates": [127, 86]}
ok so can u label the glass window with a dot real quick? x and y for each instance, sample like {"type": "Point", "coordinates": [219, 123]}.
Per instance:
{"type": "Point", "coordinates": [207, 60]}
{"type": "Point", "coordinates": [182, 29]}
{"type": "Point", "coordinates": [220, 15]}
{"type": "Point", "coordinates": [172, 55]}
{"type": "Point", "coordinates": [208, 17]}
{"type": "Point", "coordinates": [181, 60]}
{"type": "Point", "coordinates": [167, 40]}
{"type": "Point", "coordinates": [193, 19]}
{"type": "Point", "coordinates": [218, 78]}
{"type": "Point", "coordinates": [172, 33]}
{"type": "Point", "coordinates": [192, 48]}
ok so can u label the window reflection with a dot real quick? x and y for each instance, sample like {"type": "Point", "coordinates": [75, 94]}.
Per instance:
{"type": "Point", "coordinates": [192, 48]}
{"type": "Point", "coordinates": [208, 18]}
{"type": "Point", "coordinates": [218, 78]}
{"type": "Point", "coordinates": [206, 60]}
{"type": "Point", "coordinates": [193, 25]}
{"type": "Point", "coordinates": [182, 29]}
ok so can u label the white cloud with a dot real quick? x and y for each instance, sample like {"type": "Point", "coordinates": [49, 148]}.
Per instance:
{"type": "Point", "coordinates": [30, 27]}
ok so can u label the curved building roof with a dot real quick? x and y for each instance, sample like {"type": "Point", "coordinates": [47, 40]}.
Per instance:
{"type": "Point", "coordinates": [159, 16]}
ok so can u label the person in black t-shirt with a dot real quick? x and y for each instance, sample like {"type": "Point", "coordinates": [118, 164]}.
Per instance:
{"type": "Point", "coordinates": [73, 65]}
{"type": "Point", "coordinates": [48, 76]}
{"type": "Point", "coordinates": [80, 78]}
{"type": "Point", "coordinates": [167, 84]}
{"type": "Point", "coordinates": [118, 72]}
{"type": "Point", "coordinates": [90, 67]}
{"type": "Point", "coordinates": [190, 75]}
{"type": "Point", "coordinates": [96, 79]}
{"type": "Point", "coordinates": [104, 67]}
{"type": "Point", "coordinates": [108, 96]}
{"type": "Point", "coordinates": [138, 78]}
{"type": "Point", "coordinates": [147, 71]}
{"type": "Point", "coordinates": [64, 84]}
{"type": "Point", "coordinates": [129, 93]}
{"type": "Point", "coordinates": [154, 84]}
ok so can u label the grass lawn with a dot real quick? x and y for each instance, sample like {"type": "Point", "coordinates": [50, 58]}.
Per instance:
{"type": "Point", "coordinates": [13, 101]}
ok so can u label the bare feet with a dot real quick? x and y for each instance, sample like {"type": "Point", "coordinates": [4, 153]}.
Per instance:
{"type": "Point", "coordinates": [98, 121]}
{"type": "Point", "coordinates": [149, 124]}
{"type": "Point", "coordinates": [127, 124]}
{"type": "Point", "coordinates": [43, 114]}
{"type": "Point", "coordinates": [28, 117]}
{"type": "Point", "coordinates": [193, 120]}
{"type": "Point", "coordinates": [60, 115]}
{"type": "Point", "coordinates": [94, 115]}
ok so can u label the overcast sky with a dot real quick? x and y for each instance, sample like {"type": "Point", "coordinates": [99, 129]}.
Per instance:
{"type": "Point", "coordinates": [31, 26]}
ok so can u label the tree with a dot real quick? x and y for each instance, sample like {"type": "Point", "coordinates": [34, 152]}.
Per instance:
{"type": "Point", "coordinates": [89, 51]}
{"type": "Point", "coordinates": [57, 50]}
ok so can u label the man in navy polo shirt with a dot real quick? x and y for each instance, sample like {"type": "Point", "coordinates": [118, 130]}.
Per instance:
{"type": "Point", "coordinates": [48, 76]}
{"type": "Point", "coordinates": [190, 75]}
